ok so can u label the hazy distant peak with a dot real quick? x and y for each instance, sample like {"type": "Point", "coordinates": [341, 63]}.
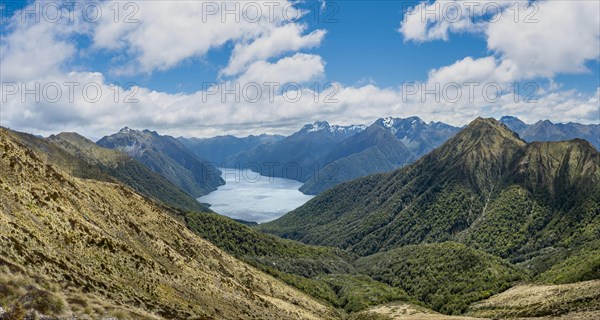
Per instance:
{"type": "Point", "coordinates": [509, 118]}
{"type": "Point", "coordinates": [317, 126]}
{"type": "Point", "coordinates": [354, 127]}
{"type": "Point", "coordinates": [514, 123]}
{"type": "Point", "coordinates": [391, 122]}
{"type": "Point", "coordinates": [324, 126]}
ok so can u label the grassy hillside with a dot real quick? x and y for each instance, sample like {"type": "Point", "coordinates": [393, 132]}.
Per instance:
{"type": "Point", "coordinates": [447, 277]}
{"type": "Point", "coordinates": [23, 292]}
{"type": "Point", "coordinates": [295, 263]}
{"type": "Point", "coordinates": [105, 239]}
{"type": "Point", "coordinates": [537, 301]}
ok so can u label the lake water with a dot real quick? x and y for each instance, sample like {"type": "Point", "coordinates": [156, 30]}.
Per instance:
{"type": "Point", "coordinates": [249, 196]}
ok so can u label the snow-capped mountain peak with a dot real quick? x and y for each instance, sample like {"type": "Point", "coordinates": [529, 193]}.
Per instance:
{"type": "Point", "coordinates": [389, 122]}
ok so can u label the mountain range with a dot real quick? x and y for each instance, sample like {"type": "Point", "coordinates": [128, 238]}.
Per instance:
{"type": "Point", "coordinates": [168, 157]}
{"type": "Point", "coordinates": [296, 156]}
{"type": "Point", "coordinates": [386, 145]}
{"type": "Point", "coordinates": [327, 159]}
{"type": "Point", "coordinates": [545, 130]}
{"type": "Point", "coordinates": [483, 225]}
{"type": "Point", "coordinates": [138, 258]}
{"type": "Point", "coordinates": [320, 155]}
{"type": "Point", "coordinates": [107, 251]}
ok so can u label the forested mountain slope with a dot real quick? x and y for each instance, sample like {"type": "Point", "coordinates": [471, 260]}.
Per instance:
{"type": "Point", "coordinates": [534, 203]}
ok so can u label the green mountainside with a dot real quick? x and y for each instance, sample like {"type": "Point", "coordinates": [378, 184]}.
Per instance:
{"type": "Point", "coordinates": [484, 187]}
{"type": "Point", "coordinates": [323, 272]}
{"type": "Point", "coordinates": [447, 277]}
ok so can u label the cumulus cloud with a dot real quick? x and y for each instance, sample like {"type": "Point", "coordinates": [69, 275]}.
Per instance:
{"type": "Point", "coordinates": [273, 43]}
{"type": "Point", "coordinates": [470, 69]}
{"type": "Point", "coordinates": [167, 33]}
{"type": "Point", "coordinates": [560, 38]}
{"type": "Point", "coordinates": [298, 68]}
{"type": "Point", "coordinates": [32, 49]}
{"type": "Point", "coordinates": [529, 40]}
{"type": "Point", "coordinates": [436, 20]}
{"type": "Point", "coordinates": [208, 113]}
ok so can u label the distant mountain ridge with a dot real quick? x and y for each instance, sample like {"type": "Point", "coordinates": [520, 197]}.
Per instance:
{"type": "Point", "coordinates": [545, 130]}
{"type": "Point", "coordinates": [387, 144]}
{"type": "Point", "coordinates": [216, 150]}
{"type": "Point", "coordinates": [333, 129]}
{"type": "Point", "coordinates": [296, 156]}
{"type": "Point", "coordinates": [168, 157]}
{"type": "Point", "coordinates": [420, 137]}
{"type": "Point", "coordinates": [328, 155]}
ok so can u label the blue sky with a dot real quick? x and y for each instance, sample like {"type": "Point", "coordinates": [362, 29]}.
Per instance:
{"type": "Point", "coordinates": [367, 48]}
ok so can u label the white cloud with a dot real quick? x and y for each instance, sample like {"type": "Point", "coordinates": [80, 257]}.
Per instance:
{"type": "Point", "coordinates": [562, 38]}
{"type": "Point", "coordinates": [436, 20]}
{"type": "Point", "coordinates": [33, 49]}
{"type": "Point", "coordinates": [206, 114]}
{"type": "Point", "coordinates": [487, 69]}
{"type": "Point", "coordinates": [37, 52]}
{"type": "Point", "coordinates": [538, 40]}
{"type": "Point", "coordinates": [167, 33]}
{"type": "Point", "coordinates": [298, 68]}
{"type": "Point", "coordinates": [273, 43]}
